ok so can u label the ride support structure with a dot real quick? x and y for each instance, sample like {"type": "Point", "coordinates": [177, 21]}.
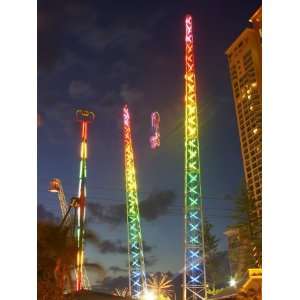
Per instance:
{"type": "Point", "coordinates": [194, 281]}
{"type": "Point", "coordinates": [155, 134]}
{"type": "Point", "coordinates": [85, 118]}
{"type": "Point", "coordinates": [55, 186]}
{"type": "Point", "coordinates": [136, 264]}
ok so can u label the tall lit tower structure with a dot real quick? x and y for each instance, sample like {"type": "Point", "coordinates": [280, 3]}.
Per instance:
{"type": "Point", "coordinates": [194, 271]}
{"type": "Point", "coordinates": [84, 117]}
{"type": "Point", "coordinates": [137, 277]}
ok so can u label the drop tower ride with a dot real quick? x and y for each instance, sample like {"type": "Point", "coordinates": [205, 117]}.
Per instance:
{"type": "Point", "coordinates": [194, 281]}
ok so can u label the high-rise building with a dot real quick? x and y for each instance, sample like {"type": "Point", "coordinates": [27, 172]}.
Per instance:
{"type": "Point", "coordinates": [245, 63]}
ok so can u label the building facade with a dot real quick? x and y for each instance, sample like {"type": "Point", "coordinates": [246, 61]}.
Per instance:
{"type": "Point", "coordinates": [245, 66]}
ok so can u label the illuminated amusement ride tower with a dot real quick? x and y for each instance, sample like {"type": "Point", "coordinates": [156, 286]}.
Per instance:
{"type": "Point", "coordinates": [136, 267]}
{"type": "Point", "coordinates": [194, 281]}
{"type": "Point", "coordinates": [84, 117]}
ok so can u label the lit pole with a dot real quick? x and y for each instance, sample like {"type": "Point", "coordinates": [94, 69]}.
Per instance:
{"type": "Point", "coordinates": [194, 280]}
{"type": "Point", "coordinates": [84, 117]}
{"type": "Point", "coordinates": [136, 265]}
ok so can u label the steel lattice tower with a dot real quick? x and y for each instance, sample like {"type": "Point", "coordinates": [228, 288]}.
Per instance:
{"type": "Point", "coordinates": [84, 117]}
{"type": "Point", "coordinates": [137, 277]}
{"type": "Point", "coordinates": [56, 187]}
{"type": "Point", "coordinates": [194, 270]}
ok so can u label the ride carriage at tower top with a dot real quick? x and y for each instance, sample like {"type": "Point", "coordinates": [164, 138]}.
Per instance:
{"type": "Point", "coordinates": [155, 134]}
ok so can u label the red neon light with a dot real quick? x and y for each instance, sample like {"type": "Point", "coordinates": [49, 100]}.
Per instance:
{"type": "Point", "coordinates": [84, 130]}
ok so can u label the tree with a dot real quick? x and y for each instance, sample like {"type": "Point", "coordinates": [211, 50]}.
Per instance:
{"type": "Point", "coordinates": [215, 259]}
{"type": "Point", "coordinates": [242, 256]}
{"type": "Point", "coordinates": [242, 205]}
{"type": "Point", "coordinates": [210, 240]}
{"type": "Point", "coordinates": [56, 251]}
{"type": "Point", "coordinates": [56, 260]}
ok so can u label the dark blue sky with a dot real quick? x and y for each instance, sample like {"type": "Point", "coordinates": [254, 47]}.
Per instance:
{"type": "Point", "coordinates": [100, 54]}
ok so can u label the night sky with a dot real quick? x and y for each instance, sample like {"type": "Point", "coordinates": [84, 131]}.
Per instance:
{"type": "Point", "coordinates": [98, 55]}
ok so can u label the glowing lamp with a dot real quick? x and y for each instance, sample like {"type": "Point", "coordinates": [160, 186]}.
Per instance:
{"type": "Point", "coordinates": [54, 186]}
{"type": "Point", "coordinates": [149, 295]}
{"type": "Point", "coordinates": [232, 282]}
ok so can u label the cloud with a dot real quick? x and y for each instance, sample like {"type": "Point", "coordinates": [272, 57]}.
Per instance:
{"type": "Point", "coordinates": [80, 89]}
{"type": "Point", "coordinates": [153, 207]}
{"type": "Point", "coordinates": [113, 214]}
{"type": "Point", "coordinates": [130, 95]}
{"type": "Point", "coordinates": [110, 283]}
{"type": "Point", "coordinates": [150, 261]}
{"type": "Point", "coordinates": [54, 20]}
{"type": "Point", "coordinates": [121, 69]}
{"type": "Point", "coordinates": [114, 36]}
{"type": "Point", "coordinates": [156, 205]}
{"type": "Point", "coordinates": [96, 268]}
{"type": "Point", "coordinates": [62, 113]}
{"type": "Point", "coordinates": [58, 21]}
{"type": "Point", "coordinates": [116, 269]}
{"type": "Point", "coordinates": [112, 99]}
{"type": "Point", "coordinates": [50, 30]}
{"type": "Point", "coordinates": [45, 215]}
{"type": "Point", "coordinates": [109, 246]}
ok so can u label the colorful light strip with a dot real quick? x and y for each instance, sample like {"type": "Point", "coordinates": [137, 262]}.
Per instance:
{"type": "Point", "coordinates": [84, 117]}
{"type": "Point", "coordinates": [194, 271]}
{"type": "Point", "coordinates": [81, 208]}
{"type": "Point", "coordinates": [137, 277]}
